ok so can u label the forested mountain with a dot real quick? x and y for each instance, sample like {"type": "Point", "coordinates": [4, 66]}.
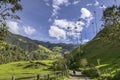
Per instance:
{"type": "Point", "coordinates": [66, 47]}
{"type": "Point", "coordinates": [22, 42]}
{"type": "Point", "coordinates": [30, 45]}
{"type": "Point", "coordinates": [19, 48]}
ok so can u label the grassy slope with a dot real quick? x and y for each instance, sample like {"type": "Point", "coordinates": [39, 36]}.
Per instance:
{"type": "Point", "coordinates": [105, 46]}
{"type": "Point", "coordinates": [21, 69]}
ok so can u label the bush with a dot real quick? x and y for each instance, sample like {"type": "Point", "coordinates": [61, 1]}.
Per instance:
{"type": "Point", "coordinates": [93, 73]}
{"type": "Point", "coordinates": [117, 76]}
{"type": "Point", "coordinates": [75, 65]}
{"type": "Point", "coordinates": [105, 78]}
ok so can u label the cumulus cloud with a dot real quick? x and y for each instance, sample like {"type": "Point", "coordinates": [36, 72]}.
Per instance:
{"type": "Point", "coordinates": [47, 2]}
{"type": "Point", "coordinates": [96, 3]}
{"type": "Point", "coordinates": [90, 4]}
{"type": "Point", "coordinates": [57, 32]}
{"type": "Point", "coordinates": [18, 28]}
{"type": "Point", "coordinates": [76, 2]}
{"type": "Point", "coordinates": [14, 27]}
{"type": "Point", "coordinates": [29, 30]}
{"type": "Point", "coordinates": [86, 15]}
{"type": "Point", "coordinates": [56, 5]}
{"type": "Point", "coordinates": [60, 30]}
{"type": "Point", "coordinates": [64, 24]}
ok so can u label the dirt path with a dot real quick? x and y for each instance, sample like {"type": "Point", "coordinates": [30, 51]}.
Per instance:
{"type": "Point", "coordinates": [77, 76]}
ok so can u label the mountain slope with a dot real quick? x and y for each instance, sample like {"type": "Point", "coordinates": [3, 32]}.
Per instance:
{"type": "Point", "coordinates": [30, 45]}
{"type": "Point", "coordinates": [105, 47]}
{"type": "Point", "coordinates": [22, 42]}
{"type": "Point", "coordinates": [11, 53]}
{"type": "Point", "coordinates": [19, 48]}
{"type": "Point", "coordinates": [66, 47]}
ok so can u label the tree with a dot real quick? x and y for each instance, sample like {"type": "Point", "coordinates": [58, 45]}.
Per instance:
{"type": "Point", "coordinates": [57, 50]}
{"type": "Point", "coordinates": [8, 10]}
{"type": "Point", "coordinates": [83, 62]}
{"type": "Point", "coordinates": [111, 15]}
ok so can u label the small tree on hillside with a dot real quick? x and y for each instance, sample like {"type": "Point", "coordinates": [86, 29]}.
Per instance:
{"type": "Point", "coordinates": [57, 50]}
{"type": "Point", "coordinates": [84, 62]}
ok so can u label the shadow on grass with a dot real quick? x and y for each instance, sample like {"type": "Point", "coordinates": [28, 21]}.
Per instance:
{"type": "Point", "coordinates": [35, 65]}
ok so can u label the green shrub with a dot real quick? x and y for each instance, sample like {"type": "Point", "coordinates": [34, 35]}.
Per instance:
{"type": "Point", "coordinates": [105, 78]}
{"type": "Point", "coordinates": [93, 73]}
{"type": "Point", "coordinates": [117, 76]}
{"type": "Point", "coordinates": [75, 65]}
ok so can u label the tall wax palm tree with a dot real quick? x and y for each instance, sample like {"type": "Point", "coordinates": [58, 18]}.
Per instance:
{"type": "Point", "coordinates": [96, 22]}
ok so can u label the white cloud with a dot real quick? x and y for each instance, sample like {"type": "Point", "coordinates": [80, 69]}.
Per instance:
{"type": "Point", "coordinates": [55, 10]}
{"type": "Point", "coordinates": [57, 32]}
{"type": "Point", "coordinates": [13, 27]}
{"type": "Point", "coordinates": [64, 24]}
{"type": "Point", "coordinates": [60, 30]}
{"type": "Point", "coordinates": [76, 2]}
{"type": "Point", "coordinates": [85, 41]}
{"type": "Point", "coordinates": [60, 2]}
{"type": "Point", "coordinates": [90, 4]}
{"type": "Point", "coordinates": [18, 28]}
{"type": "Point", "coordinates": [79, 26]}
{"type": "Point", "coordinates": [56, 5]}
{"type": "Point", "coordinates": [96, 3]}
{"type": "Point", "coordinates": [29, 30]}
{"type": "Point", "coordinates": [47, 4]}
{"type": "Point", "coordinates": [86, 15]}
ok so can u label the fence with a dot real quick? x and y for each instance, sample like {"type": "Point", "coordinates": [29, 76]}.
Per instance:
{"type": "Point", "coordinates": [53, 76]}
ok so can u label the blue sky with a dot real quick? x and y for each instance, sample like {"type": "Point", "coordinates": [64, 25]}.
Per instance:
{"type": "Point", "coordinates": [47, 20]}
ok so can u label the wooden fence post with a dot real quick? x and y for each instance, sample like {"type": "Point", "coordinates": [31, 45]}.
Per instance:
{"type": "Point", "coordinates": [13, 77]}
{"type": "Point", "coordinates": [38, 77]}
{"type": "Point", "coordinates": [48, 77]}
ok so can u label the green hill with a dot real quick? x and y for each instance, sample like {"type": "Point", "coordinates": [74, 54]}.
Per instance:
{"type": "Point", "coordinates": [105, 47]}
{"type": "Point", "coordinates": [42, 53]}
{"type": "Point", "coordinates": [66, 47]}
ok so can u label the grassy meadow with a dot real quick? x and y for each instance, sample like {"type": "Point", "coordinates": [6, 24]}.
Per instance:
{"type": "Point", "coordinates": [25, 69]}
